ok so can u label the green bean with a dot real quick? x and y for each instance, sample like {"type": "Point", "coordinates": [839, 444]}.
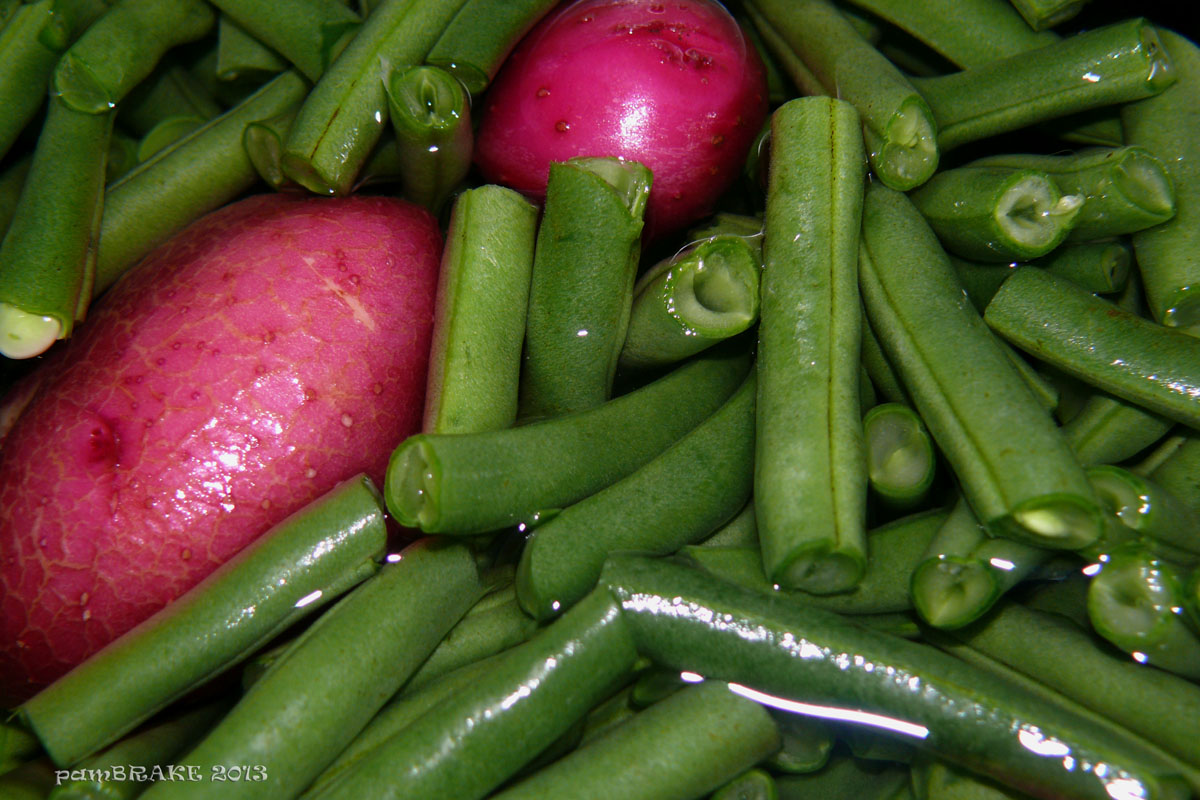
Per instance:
{"type": "Point", "coordinates": [122, 47]}
{"type": "Point", "coordinates": [531, 696]}
{"type": "Point", "coordinates": [703, 294]}
{"type": "Point", "coordinates": [1108, 430]}
{"type": "Point", "coordinates": [1064, 325]}
{"type": "Point", "coordinates": [1102, 267]}
{"type": "Point", "coordinates": [810, 478]}
{"type": "Point", "coordinates": [185, 181]}
{"type": "Point", "coordinates": [753, 784]}
{"type": "Point", "coordinates": [1042, 14]}
{"type": "Point", "coordinates": [1177, 469]}
{"type": "Point", "coordinates": [979, 280]}
{"type": "Point", "coordinates": [1169, 255]}
{"type": "Point", "coordinates": [308, 33]}
{"type": "Point", "coordinates": [1059, 653]}
{"type": "Point", "coordinates": [653, 686]}
{"type": "Point", "coordinates": [492, 625]}
{"type": "Point", "coordinates": [847, 777]}
{"type": "Point", "coordinates": [18, 745]}
{"type": "Point", "coordinates": [431, 116]}
{"type": "Point", "coordinates": [1124, 189]}
{"type": "Point", "coordinates": [806, 743]}
{"type": "Point", "coordinates": [882, 374]}
{"type": "Point", "coordinates": [240, 56]}
{"type": "Point", "coordinates": [741, 531]}
{"type": "Point", "coordinates": [784, 652]}
{"type": "Point", "coordinates": [1046, 393]}
{"type": "Point", "coordinates": [121, 771]}
{"type": "Point", "coordinates": [48, 256]}
{"type": "Point", "coordinates": [479, 321]}
{"type": "Point", "coordinates": [1136, 602]}
{"type": "Point", "coordinates": [166, 133]}
{"type": "Point", "coordinates": [896, 549]}
{"type": "Point", "coordinates": [900, 459]}
{"type": "Point", "coordinates": [965, 389]}
{"type": "Point", "coordinates": [682, 747]}
{"type": "Point", "coordinates": [400, 712]}
{"type": "Point", "coordinates": [934, 779]}
{"type": "Point", "coordinates": [329, 684]}
{"type": "Point", "coordinates": [170, 92]}
{"type": "Point", "coordinates": [294, 568]}
{"type": "Point", "coordinates": [898, 127]}
{"type": "Point", "coordinates": [680, 496]}
{"type": "Point", "coordinates": [581, 292]}
{"type": "Point", "coordinates": [964, 571]}
{"type": "Point", "coordinates": [1104, 66]}
{"type": "Point", "coordinates": [30, 781]}
{"type": "Point", "coordinates": [345, 114]}
{"type": "Point", "coordinates": [997, 214]}
{"type": "Point", "coordinates": [30, 46]}
{"type": "Point", "coordinates": [456, 483]}
{"type": "Point", "coordinates": [480, 36]}
{"type": "Point", "coordinates": [1146, 507]}
{"type": "Point", "coordinates": [263, 141]}
{"type": "Point", "coordinates": [11, 182]}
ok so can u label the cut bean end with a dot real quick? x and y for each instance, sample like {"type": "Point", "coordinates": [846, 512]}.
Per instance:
{"type": "Point", "coordinates": [25, 335]}
{"type": "Point", "coordinates": [716, 295]}
{"type": "Point", "coordinates": [412, 485]}
{"type": "Point", "coordinates": [909, 154]}
{"type": "Point", "coordinates": [1055, 521]}
{"type": "Point", "coordinates": [1141, 178]}
{"type": "Point", "coordinates": [899, 454]}
{"type": "Point", "coordinates": [1184, 313]}
{"type": "Point", "coordinates": [950, 592]}
{"type": "Point", "coordinates": [79, 88]}
{"type": "Point", "coordinates": [265, 151]}
{"type": "Point", "coordinates": [1033, 215]}
{"type": "Point", "coordinates": [304, 173]}
{"type": "Point", "coordinates": [1162, 71]}
{"type": "Point", "coordinates": [819, 570]}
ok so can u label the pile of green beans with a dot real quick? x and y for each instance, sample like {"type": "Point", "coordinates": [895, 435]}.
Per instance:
{"type": "Point", "coordinates": [881, 482]}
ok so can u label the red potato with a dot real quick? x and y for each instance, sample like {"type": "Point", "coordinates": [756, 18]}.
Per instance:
{"type": "Point", "coordinates": [674, 85]}
{"type": "Point", "coordinates": [269, 351]}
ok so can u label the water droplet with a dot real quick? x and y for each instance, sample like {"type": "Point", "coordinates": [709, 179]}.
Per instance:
{"type": "Point", "coordinates": [265, 505]}
{"type": "Point", "coordinates": [562, 126]}
{"type": "Point", "coordinates": [543, 92]}
{"type": "Point", "coordinates": [310, 473]}
{"type": "Point", "coordinates": [347, 420]}
{"type": "Point", "coordinates": [185, 554]}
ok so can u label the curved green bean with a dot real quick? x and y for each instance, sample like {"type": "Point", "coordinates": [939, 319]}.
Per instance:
{"type": "Point", "coordinates": [308, 33]}
{"type": "Point", "coordinates": [431, 116]}
{"type": "Point", "coordinates": [480, 36]}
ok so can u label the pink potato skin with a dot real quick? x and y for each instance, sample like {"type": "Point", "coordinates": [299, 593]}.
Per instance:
{"type": "Point", "coordinates": [271, 350]}
{"type": "Point", "coordinates": [674, 85]}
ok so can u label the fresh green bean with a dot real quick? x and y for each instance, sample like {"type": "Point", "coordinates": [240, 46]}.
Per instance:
{"type": "Point", "coordinates": [293, 569]}
{"type": "Point", "coordinates": [308, 33]}
{"type": "Point", "coordinates": [934, 779]}
{"type": "Point", "coordinates": [171, 91]}
{"type": "Point", "coordinates": [345, 114]}
{"type": "Point", "coordinates": [810, 471]}
{"type": "Point", "coordinates": [581, 292]}
{"type": "Point", "coordinates": [753, 784]}
{"type": "Point", "coordinates": [1136, 601]}
{"type": "Point", "coordinates": [11, 183]}
{"type": "Point", "coordinates": [479, 321]}
{"type": "Point", "coordinates": [653, 686]}
{"type": "Point", "coordinates": [30, 781]}
{"type": "Point", "coordinates": [1177, 468]}
{"type": "Point", "coordinates": [1104, 66]}
{"type": "Point", "coordinates": [786, 652]}
{"type": "Point", "coordinates": [899, 130]}
{"type": "Point", "coordinates": [741, 531]}
{"type": "Point", "coordinates": [964, 571]}
{"type": "Point", "coordinates": [240, 56]}
{"type": "Point", "coordinates": [680, 496]}
{"type": "Point", "coordinates": [1042, 14]}
{"type": "Point", "coordinates": [965, 389]}
{"type": "Point", "coordinates": [185, 181]}
{"type": "Point", "coordinates": [431, 116]}
{"type": "Point", "coordinates": [48, 256]}
{"type": "Point", "coordinates": [882, 374]}
{"type": "Point", "coordinates": [531, 696]}
{"type": "Point", "coordinates": [806, 743]}
{"type": "Point", "coordinates": [900, 459]}
{"type": "Point", "coordinates": [684, 746]}
{"type": "Point", "coordinates": [456, 483]}
{"type": "Point", "coordinates": [1169, 255]}
{"type": "Point", "coordinates": [122, 47]}
{"type": "Point", "coordinates": [1146, 507]}
{"type": "Point", "coordinates": [1054, 650]}
{"type": "Point", "coordinates": [1108, 430]}
{"type": "Point", "coordinates": [492, 625]}
{"type": "Point", "coordinates": [480, 36]}
{"type": "Point", "coordinates": [17, 745]}
{"type": "Point", "coordinates": [166, 133]}
{"type": "Point", "coordinates": [1102, 267]}
{"type": "Point", "coordinates": [30, 46]}
{"type": "Point", "coordinates": [1066, 326]}
{"type": "Point", "coordinates": [296, 719]}
{"type": "Point", "coordinates": [263, 142]}
{"type": "Point", "coordinates": [703, 294]}
{"type": "Point", "coordinates": [848, 777]}
{"type": "Point", "coordinates": [120, 771]}
{"type": "Point", "coordinates": [1124, 189]}
{"type": "Point", "coordinates": [981, 281]}
{"type": "Point", "coordinates": [997, 214]}
{"type": "Point", "coordinates": [896, 549]}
